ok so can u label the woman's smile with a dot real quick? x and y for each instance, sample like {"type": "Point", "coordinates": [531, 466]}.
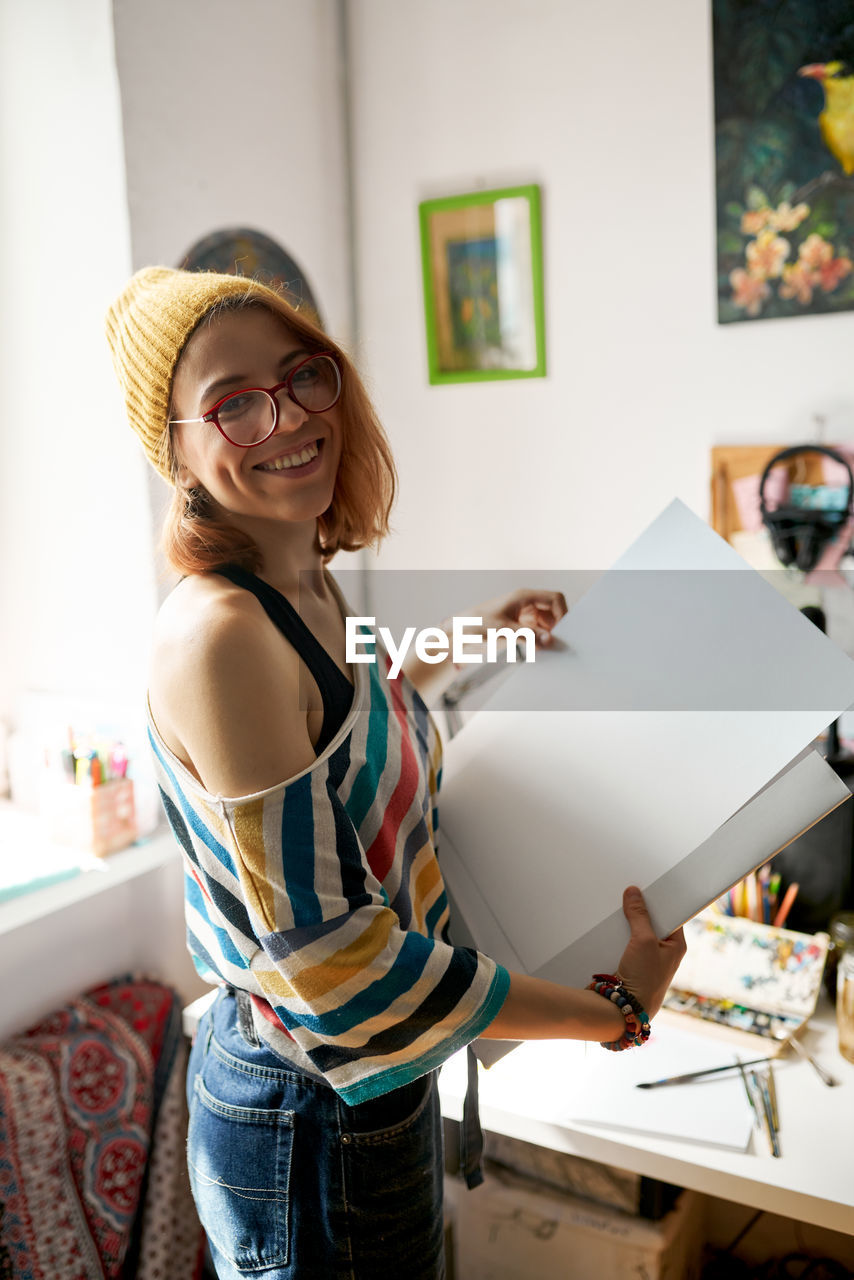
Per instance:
{"type": "Point", "coordinates": [302, 461]}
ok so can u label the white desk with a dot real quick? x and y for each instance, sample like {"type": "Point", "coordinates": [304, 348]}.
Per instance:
{"type": "Point", "coordinates": [813, 1181]}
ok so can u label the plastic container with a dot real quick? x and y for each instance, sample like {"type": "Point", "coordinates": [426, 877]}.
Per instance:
{"type": "Point", "coordinates": [841, 930]}
{"type": "Point", "coordinates": [845, 1004]}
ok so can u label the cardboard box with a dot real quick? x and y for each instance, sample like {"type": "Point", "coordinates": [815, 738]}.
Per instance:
{"type": "Point", "coordinates": [512, 1228]}
{"type": "Point", "coordinates": [606, 1184]}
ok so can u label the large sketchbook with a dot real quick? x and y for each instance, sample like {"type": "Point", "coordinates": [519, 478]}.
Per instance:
{"type": "Point", "coordinates": [664, 741]}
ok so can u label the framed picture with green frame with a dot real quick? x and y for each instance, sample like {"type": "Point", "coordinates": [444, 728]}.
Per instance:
{"type": "Point", "coordinates": [482, 259]}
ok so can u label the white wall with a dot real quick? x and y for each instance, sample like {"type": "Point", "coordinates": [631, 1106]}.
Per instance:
{"type": "Point", "coordinates": [232, 117]}
{"type": "Point", "coordinates": [609, 108]}
{"type": "Point", "coordinates": [132, 921]}
{"type": "Point", "coordinates": [76, 583]}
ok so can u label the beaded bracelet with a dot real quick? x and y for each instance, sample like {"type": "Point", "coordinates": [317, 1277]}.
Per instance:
{"type": "Point", "coordinates": [611, 986]}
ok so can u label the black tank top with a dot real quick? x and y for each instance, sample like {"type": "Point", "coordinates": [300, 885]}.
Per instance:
{"type": "Point", "coordinates": [336, 690]}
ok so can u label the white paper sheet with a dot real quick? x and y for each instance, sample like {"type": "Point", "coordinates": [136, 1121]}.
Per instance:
{"type": "Point", "coordinates": [714, 1111]}
{"type": "Point", "coordinates": [553, 812]}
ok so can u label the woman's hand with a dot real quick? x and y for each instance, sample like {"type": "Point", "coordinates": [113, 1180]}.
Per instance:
{"type": "Point", "coordinates": [535, 1009]}
{"type": "Point", "coordinates": [525, 607]}
{"type": "Point", "coordinates": [648, 963]}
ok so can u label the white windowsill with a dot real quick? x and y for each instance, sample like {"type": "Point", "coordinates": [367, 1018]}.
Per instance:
{"type": "Point", "coordinates": [96, 876]}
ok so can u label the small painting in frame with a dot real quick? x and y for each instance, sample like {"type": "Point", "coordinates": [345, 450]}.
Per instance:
{"type": "Point", "coordinates": [483, 285]}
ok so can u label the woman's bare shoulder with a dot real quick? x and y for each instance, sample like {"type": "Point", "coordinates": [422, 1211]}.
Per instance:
{"type": "Point", "coordinates": [199, 624]}
{"type": "Point", "coordinates": [225, 689]}
{"type": "Point", "coordinates": [203, 606]}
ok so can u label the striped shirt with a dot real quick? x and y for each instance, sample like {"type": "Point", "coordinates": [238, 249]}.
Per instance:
{"type": "Point", "coordinates": [323, 898]}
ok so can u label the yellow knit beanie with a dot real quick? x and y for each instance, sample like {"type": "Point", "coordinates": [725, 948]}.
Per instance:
{"type": "Point", "coordinates": [147, 328]}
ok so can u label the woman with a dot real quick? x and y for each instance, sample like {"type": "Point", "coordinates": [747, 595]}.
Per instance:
{"type": "Point", "coordinates": [303, 792]}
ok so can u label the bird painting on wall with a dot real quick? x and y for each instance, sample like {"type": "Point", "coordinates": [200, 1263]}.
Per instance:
{"type": "Point", "coordinates": [784, 145]}
{"type": "Point", "coordinates": [836, 121]}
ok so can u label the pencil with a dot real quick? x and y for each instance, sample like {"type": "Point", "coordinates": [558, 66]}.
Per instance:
{"type": "Point", "coordinates": [760, 1111]}
{"type": "Point", "coordinates": [764, 877]}
{"type": "Point", "coordinates": [770, 1129]}
{"type": "Point", "coordinates": [747, 1090]}
{"type": "Point", "coordinates": [750, 896]}
{"type": "Point", "coordinates": [772, 1094]}
{"type": "Point", "coordinates": [786, 905]}
{"type": "Point", "coordinates": [774, 889]}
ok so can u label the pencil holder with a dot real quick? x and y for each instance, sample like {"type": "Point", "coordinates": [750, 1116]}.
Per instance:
{"type": "Point", "coordinates": [99, 819]}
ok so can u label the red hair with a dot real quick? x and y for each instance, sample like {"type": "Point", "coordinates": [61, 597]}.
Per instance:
{"type": "Point", "coordinates": [197, 539]}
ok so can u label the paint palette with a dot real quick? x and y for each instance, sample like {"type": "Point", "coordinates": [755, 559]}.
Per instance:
{"type": "Point", "coordinates": [748, 977]}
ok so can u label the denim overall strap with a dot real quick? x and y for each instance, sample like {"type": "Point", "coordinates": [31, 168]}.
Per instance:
{"type": "Point", "coordinates": [471, 1134]}
{"type": "Point", "coordinates": [245, 1021]}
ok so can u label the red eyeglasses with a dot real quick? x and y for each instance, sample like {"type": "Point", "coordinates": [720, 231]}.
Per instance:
{"type": "Point", "coordinates": [249, 416]}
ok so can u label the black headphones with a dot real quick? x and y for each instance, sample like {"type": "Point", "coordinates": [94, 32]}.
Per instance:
{"type": "Point", "coordinates": [799, 535]}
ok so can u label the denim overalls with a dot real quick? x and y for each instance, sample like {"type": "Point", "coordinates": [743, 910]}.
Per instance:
{"type": "Point", "coordinates": [291, 1182]}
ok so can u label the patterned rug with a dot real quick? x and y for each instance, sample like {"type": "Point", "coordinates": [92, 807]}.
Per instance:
{"type": "Point", "coordinates": [93, 1183]}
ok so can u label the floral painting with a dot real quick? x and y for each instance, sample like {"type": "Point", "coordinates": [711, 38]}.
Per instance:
{"type": "Point", "coordinates": [784, 143]}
